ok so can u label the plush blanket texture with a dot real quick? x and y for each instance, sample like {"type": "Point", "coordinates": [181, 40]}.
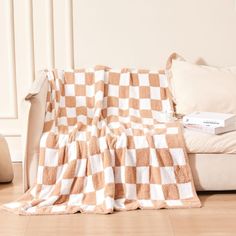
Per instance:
{"type": "Point", "coordinates": [104, 148]}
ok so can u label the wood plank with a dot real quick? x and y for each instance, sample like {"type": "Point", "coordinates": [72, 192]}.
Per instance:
{"type": "Point", "coordinates": [216, 217]}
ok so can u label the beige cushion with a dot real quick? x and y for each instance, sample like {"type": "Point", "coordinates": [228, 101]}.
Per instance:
{"type": "Point", "coordinates": [199, 142]}
{"type": "Point", "coordinates": [6, 171]}
{"type": "Point", "coordinates": [202, 88]}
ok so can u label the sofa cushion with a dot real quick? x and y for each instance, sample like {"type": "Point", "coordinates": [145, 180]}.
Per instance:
{"type": "Point", "coordinates": [202, 88]}
{"type": "Point", "coordinates": [199, 142]}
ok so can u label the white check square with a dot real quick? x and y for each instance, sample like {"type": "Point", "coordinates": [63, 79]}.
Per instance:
{"type": "Point", "coordinates": [80, 101]}
{"type": "Point", "coordinates": [140, 142]}
{"type": "Point", "coordinates": [121, 141]}
{"type": "Point", "coordinates": [163, 81]}
{"type": "Point", "coordinates": [142, 175]}
{"type": "Point", "coordinates": [167, 175]}
{"type": "Point", "coordinates": [123, 103]}
{"type": "Point", "coordinates": [45, 191]}
{"type": "Point", "coordinates": [90, 90]}
{"type": "Point", "coordinates": [130, 191]}
{"type": "Point", "coordinates": [103, 143]}
{"type": "Point", "coordinates": [71, 112]}
{"type": "Point", "coordinates": [144, 104]}
{"type": "Point", "coordinates": [120, 174]}
{"type": "Point", "coordinates": [166, 106]}
{"type": "Point", "coordinates": [172, 130]}
{"type": "Point", "coordinates": [153, 158]}
{"type": "Point", "coordinates": [113, 91]}
{"type": "Point", "coordinates": [160, 141]}
{"type": "Point", "coordinates": [134, 92]}
{"type": "Point", "coordinates": [134, 112]}
{"type": "Point", "coordinates": [178, 156]}
{"type": "Point", "coordinates": [96, 163]}
{"type": "Point", "coordinates": [72, 151]}
{"type": "Point", "coordinates": [99, 75]}
{"type": "Point", "coordinates": [51, 157]}
{"type": "Point", "coordinates": [76, 199]}
{"type": "Point", "coordinates": [185, 190]}
{"type": "Point", "coordinates": [130, 157]}
{"type": "Point", "coordinates": [112, 111]}
{"type": "Point", "coordinates": [124, 79]}
{"type": "Point", "coordinates": [99, 96]}
{"type": "Point", "coordinates": [66, 186]}
{"type": "Point", "coordinates": [100, 196]}
{"type": "Point", "coordinates": [69, 90]}
{"type": "Point", "coordinates": [155, 93]}
{"type": "Point", "coordinates": [40, 175]}
{"type": "Point", "coordinates": [80, 78]}
{"type": "Point", "coordinates": [156, 192]}
{"type": "Point", "coordinates": [143, 79]}
{"type": "Point", "coordinates": [89, 187]}
{"type": "Point", "coordinates": [80, 167]}
{"type": "Point", "coordinates": [108, 175]}
{"type": "Point", "coordinates": [62, 101]}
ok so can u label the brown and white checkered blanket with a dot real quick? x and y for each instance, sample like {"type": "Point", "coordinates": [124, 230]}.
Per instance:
{"type": "Point", "coordinates": [104, 149]}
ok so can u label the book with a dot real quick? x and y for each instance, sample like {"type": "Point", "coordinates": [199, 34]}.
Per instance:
{"type": "Point", "coordinates": [210, 119]}
{"type": "Point", "coordinates": [210, 129]}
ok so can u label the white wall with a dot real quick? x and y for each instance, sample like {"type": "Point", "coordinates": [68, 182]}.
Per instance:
{"type": "Point", "coordinates": [38, 34]}
{"type": "Point", "coordinates": [144, 32]}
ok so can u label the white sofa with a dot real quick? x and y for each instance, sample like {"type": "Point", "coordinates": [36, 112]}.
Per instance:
{"type": "Point", "coordinates": [212, 169]}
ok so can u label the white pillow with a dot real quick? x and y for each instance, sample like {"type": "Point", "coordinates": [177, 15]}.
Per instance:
{"type": "Point", "coordinates": [202, 88]}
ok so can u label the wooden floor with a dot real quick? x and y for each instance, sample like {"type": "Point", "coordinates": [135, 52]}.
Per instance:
{"type": "Point", "coordinates": [216, 217]}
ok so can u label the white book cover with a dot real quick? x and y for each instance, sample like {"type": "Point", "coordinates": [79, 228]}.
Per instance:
{"type": "Point", "coordinates": [211, 119]}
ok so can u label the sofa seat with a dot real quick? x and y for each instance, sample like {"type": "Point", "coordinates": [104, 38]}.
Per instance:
{"type": "Point", "coordinates": [213, 172]}
{"type": "Point", "coordinates": [199, 142]}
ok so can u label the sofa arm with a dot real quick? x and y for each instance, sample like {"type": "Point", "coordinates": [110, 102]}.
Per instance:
{"type": "Point", "coordinates": [34, 127]}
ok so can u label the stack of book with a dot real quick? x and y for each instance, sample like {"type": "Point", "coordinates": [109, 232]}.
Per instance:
{"type": "Point", "coordinates": [210, 122]}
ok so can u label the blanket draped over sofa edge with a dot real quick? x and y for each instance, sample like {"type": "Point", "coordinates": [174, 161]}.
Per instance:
{"type": "Point", "coordinates": [104, 148]}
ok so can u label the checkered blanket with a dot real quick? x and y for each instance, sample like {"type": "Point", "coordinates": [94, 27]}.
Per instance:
{"type": "Point", "coordinates": [105, 146]}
